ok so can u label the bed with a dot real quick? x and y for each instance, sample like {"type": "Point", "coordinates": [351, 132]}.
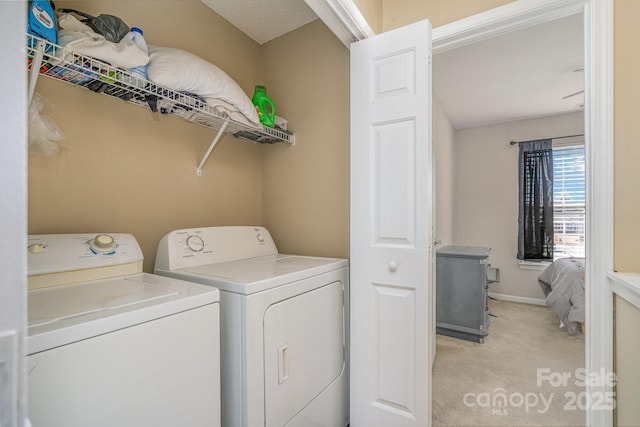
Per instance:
{"type": "Point", "coordinates": [563, 284]}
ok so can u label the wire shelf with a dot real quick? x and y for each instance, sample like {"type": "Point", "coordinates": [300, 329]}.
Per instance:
{"type": "Point", "coordinates": [93, 74]}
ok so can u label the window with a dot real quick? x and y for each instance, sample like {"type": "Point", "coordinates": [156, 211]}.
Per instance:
{"type": "Point", "coordinates": [569, 201]}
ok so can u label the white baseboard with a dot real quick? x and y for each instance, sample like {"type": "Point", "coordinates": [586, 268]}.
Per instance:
{"type": "Point", "coordinates": [514, 298]}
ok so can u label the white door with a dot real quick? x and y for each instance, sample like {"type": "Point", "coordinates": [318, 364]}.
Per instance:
{"type": "Point", "coordinates": [391, 229]}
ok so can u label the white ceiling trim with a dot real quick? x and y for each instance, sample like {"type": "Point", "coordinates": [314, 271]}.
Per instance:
{"type": "Point", "coordinates": [343, 18]}
{"type": "Point", "coordinates": [504, 19]}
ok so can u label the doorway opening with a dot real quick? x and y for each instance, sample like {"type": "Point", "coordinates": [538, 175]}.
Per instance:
{"type": "Point", "coordinates": [473, 202]}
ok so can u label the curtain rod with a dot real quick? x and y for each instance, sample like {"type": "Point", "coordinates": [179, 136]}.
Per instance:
{"type": "Point", "coordinates": [556, 137]}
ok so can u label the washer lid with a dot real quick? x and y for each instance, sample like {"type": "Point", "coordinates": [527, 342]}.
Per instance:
{"type": "Point", "coordinates": [247, 276]}
{"type": "Point", "coordinates": [64, 314]}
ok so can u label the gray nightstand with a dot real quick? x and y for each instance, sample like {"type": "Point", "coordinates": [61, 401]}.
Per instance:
{"type": "Point", "coordinates": [461, 292]}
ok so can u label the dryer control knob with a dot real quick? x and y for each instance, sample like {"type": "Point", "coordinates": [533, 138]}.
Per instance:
{"type": "Point", "coordinates": [195, 243]}
{"type": "Point", "coordinates": [260, 238]}
{"type": "Point", "coordinates": [103, 243]}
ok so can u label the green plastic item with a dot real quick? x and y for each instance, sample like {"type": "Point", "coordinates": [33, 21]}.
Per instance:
{"type": "Point", "coordinates": [264, 106]}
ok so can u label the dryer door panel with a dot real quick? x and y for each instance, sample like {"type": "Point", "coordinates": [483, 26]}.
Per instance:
{"type": "Point", "coordinates": [303, 345]}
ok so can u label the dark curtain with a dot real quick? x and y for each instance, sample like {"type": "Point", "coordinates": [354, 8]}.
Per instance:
{"type": "Point", "coordinates": [535, 217]}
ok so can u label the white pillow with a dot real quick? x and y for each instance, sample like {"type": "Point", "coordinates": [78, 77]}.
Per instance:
{"type": "Point", "coordinates": [183, 71]}
{"type": "Point", "coordinates": [225, 109]}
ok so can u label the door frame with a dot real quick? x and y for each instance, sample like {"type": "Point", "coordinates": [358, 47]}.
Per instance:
{"type": "Point", "coordinates": [598, 39]}
{"type": "Point", "coordinates": [598, 113]}
{"type": "Point", "coordinates": [13, 220]}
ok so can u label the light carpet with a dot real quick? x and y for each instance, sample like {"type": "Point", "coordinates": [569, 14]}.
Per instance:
{"type": "Point", "coordinates": [528, 372]}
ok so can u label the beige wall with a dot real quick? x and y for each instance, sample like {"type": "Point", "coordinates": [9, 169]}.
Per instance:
{"type": "Point", "coordinates": [372, 12]}
{"type": "Point", "coordinates": [627, 134]}
{"type": "Point", "coordinates": [120, 170]}
{"type": "Point", "coordinates": [486, 193]}
{"type": "Point", "coordinates": [396, 13]}
{"type": "Point", "coordinates": [443, 140]}
{"type": "Point", "coordinates": [306, 186]}
{"type": "Point", "coordinates": [627, 202]}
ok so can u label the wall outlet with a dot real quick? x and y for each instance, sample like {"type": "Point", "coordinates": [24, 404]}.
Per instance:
{"type": "Point", "coordinates": [493, 274]}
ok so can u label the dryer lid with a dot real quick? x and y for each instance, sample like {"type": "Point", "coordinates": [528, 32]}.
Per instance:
{"type": "Point", "coordinates": [247, 276]}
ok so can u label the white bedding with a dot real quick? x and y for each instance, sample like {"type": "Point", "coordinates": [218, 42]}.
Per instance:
{"type": "Point", "coordinates": [563, 284]}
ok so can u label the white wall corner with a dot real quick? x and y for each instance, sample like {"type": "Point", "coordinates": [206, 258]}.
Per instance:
{"type": "Point", "coordinates": [13, 220]}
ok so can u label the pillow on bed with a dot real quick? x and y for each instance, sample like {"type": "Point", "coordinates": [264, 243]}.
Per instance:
{"type": "Point", "coordinates": [183, 71]}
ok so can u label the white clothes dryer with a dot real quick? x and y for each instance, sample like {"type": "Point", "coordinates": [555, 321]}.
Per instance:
{"type": "Point", "coordinates": [109, 345]}
{"type": "Point", "coordinates": [284, 325]}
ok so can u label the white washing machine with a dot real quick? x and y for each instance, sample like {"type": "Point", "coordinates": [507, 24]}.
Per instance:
{"type": "Point", "coordinates": [284, 325]}
{"type": "Point", "coordinates": [109, 345]}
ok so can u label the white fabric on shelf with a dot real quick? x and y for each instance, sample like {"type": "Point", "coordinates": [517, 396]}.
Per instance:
{"type": "Point", "coordinates": [80, 38]}
{"type": "Point", "coordinates": [183, 71]}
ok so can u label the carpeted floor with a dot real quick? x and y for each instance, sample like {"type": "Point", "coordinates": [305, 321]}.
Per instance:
{"type": "Point", "coordinates": [523, 375]}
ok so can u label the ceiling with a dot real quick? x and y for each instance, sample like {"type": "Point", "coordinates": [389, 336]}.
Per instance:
{"type": "Point", "coordinates": [520, 75]}
{"type": "Point", "coordinates": [264, 20]}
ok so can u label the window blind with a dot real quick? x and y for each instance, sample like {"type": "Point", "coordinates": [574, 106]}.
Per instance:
{"type": "Point", "coordinates": [569, 201]}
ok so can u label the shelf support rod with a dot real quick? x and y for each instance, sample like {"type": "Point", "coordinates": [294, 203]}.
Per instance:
{"type": "Point", "coordinates": [36, 62]}
{"type": "Point", "coordinates": [213, 144]}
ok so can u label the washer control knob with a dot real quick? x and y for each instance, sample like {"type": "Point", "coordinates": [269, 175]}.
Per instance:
{"type": "Point", "coordinates": [195, 243]}
{"type": "Point", "coordinates": [36, 248]}
{"type": "Point", "coordinates": [260, 238]}
{"type": "Point", "coordinates": [103, 243]}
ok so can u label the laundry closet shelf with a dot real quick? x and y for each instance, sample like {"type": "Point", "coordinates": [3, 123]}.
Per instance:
{"type": "Point", "coordinates": [64, 65]}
